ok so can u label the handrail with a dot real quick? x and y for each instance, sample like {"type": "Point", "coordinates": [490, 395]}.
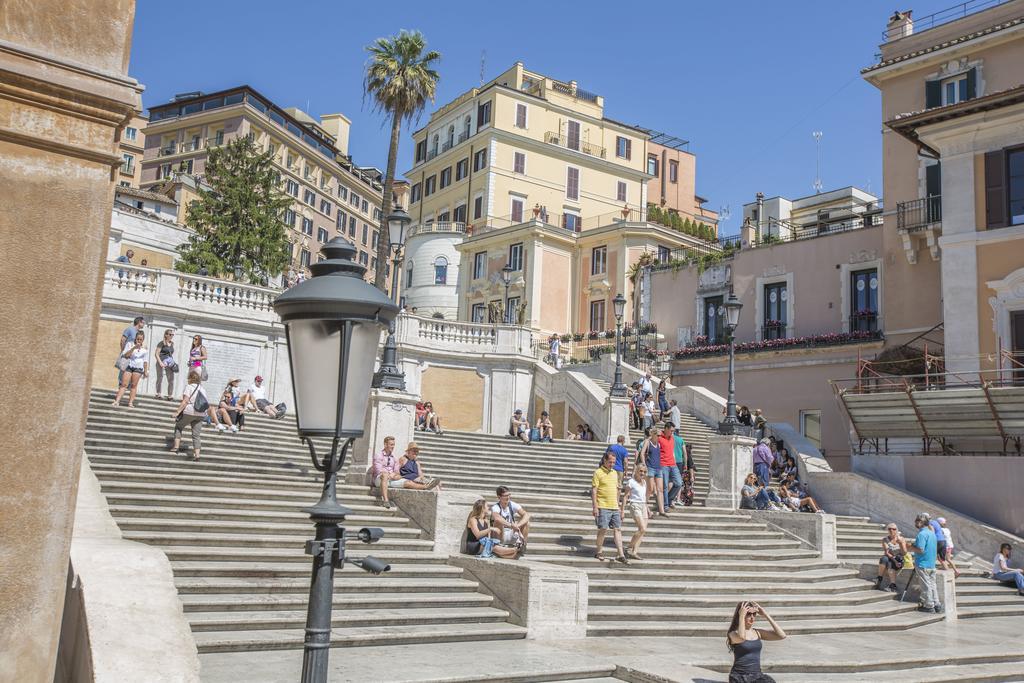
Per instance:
{"type": "Point", "coordinates": [936, 19]}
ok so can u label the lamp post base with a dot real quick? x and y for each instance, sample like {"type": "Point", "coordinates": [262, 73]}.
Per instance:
{"type": "Point", "coordinates": [389, 378]}
{"type": "Point", "coordinates": [617, 390]}
{"type": "Point", "coordinates": [728, 427]}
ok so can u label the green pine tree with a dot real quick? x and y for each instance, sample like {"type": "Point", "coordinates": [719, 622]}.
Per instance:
{"type": "Point", "coordinates": [238, 221]}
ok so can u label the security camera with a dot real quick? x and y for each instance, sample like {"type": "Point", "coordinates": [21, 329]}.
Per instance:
{"type": "Point", "coordinates": [372, 565]}
{"type": "Point", "coordinates": [370, 534]}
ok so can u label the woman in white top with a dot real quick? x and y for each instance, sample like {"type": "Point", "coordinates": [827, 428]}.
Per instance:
{"type": "Point", "coordinates": [137, 368]}
{"type": "Point", "coordinates": [636, 501]}
{"type": "Point", "coordinates": [188, 416]}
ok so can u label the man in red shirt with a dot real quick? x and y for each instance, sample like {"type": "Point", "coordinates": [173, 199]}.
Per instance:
{"type": "Point", "coordinates": [669, 468]}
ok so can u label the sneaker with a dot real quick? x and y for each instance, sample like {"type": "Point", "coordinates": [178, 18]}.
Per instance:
{"type": "Point", "coordinates": [878, 583]}
{"type": "Point", "coordinates": [234, 428]}
{"type": "Point", "coordinates": [221, 428]}
{"type": "Point", "coordinates": [892, 588]}
{"type": "Point", "coordinates": [929, 610]}
{"type": "Point", "coordinates": [433, 484]}
{"type": "Point", "coordinates": [938, 609]}
{"type": "Point", "coordinates": [622, 559]}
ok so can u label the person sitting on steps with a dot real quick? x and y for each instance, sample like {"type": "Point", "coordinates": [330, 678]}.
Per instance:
{"type": "Point", "coordinates": [481, 536]}
{"type": "Point", "coordinates": [894, 550]}
{"type": "Point", "coordinates": [1002, 571]}
{"type": "Point", "coordinates": [512, 519]}
{"type": "Point", "coordinates": [753, 496]}
{"type": "Point", "coordinates": [519, 427]}
{"type": "Point", "coordinates": [431, 420]}
{"type": "Point", "coordinates": [411, 470]}
{"type": "Point", "coordinates": [545, 428]}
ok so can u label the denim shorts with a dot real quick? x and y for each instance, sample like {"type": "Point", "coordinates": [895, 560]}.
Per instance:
{"type": "Point", "coordinates": [654, 470]}
{"type": "Point", "coordinates": [487, 546]}
{"type": "Point", "coordinates": [608, 519]}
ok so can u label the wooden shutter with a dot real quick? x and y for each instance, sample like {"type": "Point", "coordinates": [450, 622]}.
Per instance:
{"type": "Point", "coordinates": [995, 189]}
{"type": "Point", "coordinates": [521, 115]}
{"type": "Point", "coordinates": [629, 149]}
{"type": "Point", "coordinates": [572, 183]}
{"type": "Point", "coordinates": [972, 84]}
{"type": "Point", "coordinates": [932, 94]}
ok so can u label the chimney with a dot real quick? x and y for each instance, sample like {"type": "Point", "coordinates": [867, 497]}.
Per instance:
{"type": "Point", "coordinates": [337, 126]}
{"type": "Point", "coordinates": [760, 212]}
{"type": "Point", "coordinates": [901, 25]}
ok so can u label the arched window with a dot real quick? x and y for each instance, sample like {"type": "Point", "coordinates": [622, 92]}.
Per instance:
{"type": "Point", "coordinates": [437, 140]}
{"type": "Point", "coordinates": [451, 136]}
{"type": "Point", "coordinates": [440, 271]}
{"type": "Point", "coordinates": [467, 122]}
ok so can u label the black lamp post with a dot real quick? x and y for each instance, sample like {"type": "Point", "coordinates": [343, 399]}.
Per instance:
{"type": "Point", "coordinates": [389, 376]}
{"type": "Point", "coordinates": [732, 307]}
{"type": "Point", "coordinates": [506, 277]}
{"type": "Point", "coordinates": [333, 322]}
{"type": "Point", "coordinates": [619, 304]}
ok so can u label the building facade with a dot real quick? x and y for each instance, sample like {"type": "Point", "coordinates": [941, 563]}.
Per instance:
{"type": "Point", "coordinates": [672, 186]}
{"type": "Point", "coordinates": [131, 145]}
{"type": "Point", "coordinates": [332, 196]}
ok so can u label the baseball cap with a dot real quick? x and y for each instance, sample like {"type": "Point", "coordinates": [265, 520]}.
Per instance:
{"type": "Point", "coordinates": [519, 411]}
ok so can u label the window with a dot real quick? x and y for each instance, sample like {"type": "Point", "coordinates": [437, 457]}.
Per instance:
{"type": "Point", "coordinates": [421, 151]}
{"type": "Point", "coordinates": [304, 258]}
{"type": "Point", "coordinates": [321, 236]}
{"type": "Point", "coordinates": [364, 258]}
{"type": "Point", "coordinates": [289, 217]}
{"type": "Point", "coordinates": [291, 187]}
{"type": "Point", "coordinates": [451, 136]}
{"type": "Point", "coordinates": [325, 207]}
{"type": "Point", "coordinates": [444, 217]}
{"type": "Point", "coordinates": [353, 199]}
{"type": "Point", "coordinates": [131, 133]}
{"type": "Point", "coordinates": [958, 88]}
{"type": "Point", "coordinates": [478, 207]}
{"type": "Point", "coordinates": [429, 185]}
{"type": "Point", "coordinates": [459, 216]}
{"type": "Point", "coordinates": [461, 169]}
{"type": "Point", "coordinates": [515, 256]}
{"type": "Point", "coordinates": [620, 193]}
{"type": "Point", "coordinates": [483, 114]}
{"type": "Point", "coordinates": [446, 177]}
{"type": "Point", "coordinates": [673, 171]}
{"type": "Point", "coordinates": [623, 147]}
{"type": "Point", "coordinates": [810, 426]}
{"type": "Point", "coordinates": [377, 214]}
{"type": "Point", "coordinates": [512, 310]}
{"type": "Point", "coordinates": [165, 171]}
{"type": "Point", "coordinates": [714, 320]}
{"type": "Point", "coordinates": [414, 195]}
{"type": "Point", "coordinates": [480, 160]}
{"type": "Point", "coordinates": [341, 220]}
{"type": "Point", "coordinates": [774, 324]}
{"type": "Point", "coordinates": [124, 183]}
{"type": "Point", "coordinates": [309, 197]}
{"type": "Point", "coordinates": [519, 163]}
{"type": "Point", "coordinates": [599, 261]}
{"type": "Point", "coordinates": [440, 271]}
{"type": "Point", "coordinates": [954, 89]}
{"type": "Point", "coordinates": [479, 265]}
{"type": "Point", "coordinates": [572, 183]}
{"type": "Point", "coordinates": [435, 143]}
{"type": "Point", "coordinates": [307, 226]}
{"type": "Point", "coordinates": [664, 254]}
{"type": "Point", "coordinates": [127, 163]}
{"type": "Point", "coordinates": [365, 207]}
{"type": "Point", "coordinates": [467, 123]}
{"type": "Point", "coordinates": [373, 263]}
{"type": "Point", "coordinates": [597, 321]}
{"type": "Point", "coordinates": [572, 221]}
{"type": "Point", "coordinates": [1015, 185]}
{"type": "Point", "coordinates": [520, 115]}
{"type": "Point", "coordinates": [408, 279]}
{"type": "Point", "coordinates": [572, 135]}
{"type": "Point", "coordinates": [352, 227]}
{"type": "Point", "coordinates": [516, 214]}
{"type": "Point", "coordinates": [864, 300]}
{"type": "Point", "coordinates": [652, 164]}
{"type": "Point", "coordinates": [373, 241]}
{"type": "Point", "coordinates": [342, 192]}
{"type": "Point", "coordinates": [479, 313]}
{"type": "Point", "coordinates": [366, 233]}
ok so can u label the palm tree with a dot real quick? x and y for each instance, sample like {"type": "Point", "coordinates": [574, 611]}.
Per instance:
{"type": "Point", "coordinates": [400, 77]}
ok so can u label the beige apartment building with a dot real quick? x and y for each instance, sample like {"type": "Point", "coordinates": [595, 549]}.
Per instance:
{"type": "Point", "coordinates": [953, 146]}
{"type": "Point", "coordinates": [673, 171]}
{"type": "Point", "coordinates": [332, 195]}
{"type": "Point", "coordinates": [528, 171]}
{"type": "Point", "coordinates": [131, 145]}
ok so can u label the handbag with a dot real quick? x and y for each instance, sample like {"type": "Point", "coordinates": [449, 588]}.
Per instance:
{"type": "Point", "coordinates": [121, 363]}
{"type": "Point", "coordinates": [908, 561]}
{"type": "Point", "coordinates": [204, 375]}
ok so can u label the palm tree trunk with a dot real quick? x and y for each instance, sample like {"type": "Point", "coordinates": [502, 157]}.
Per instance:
{"type": "Point", "coordinates": [383, 243]}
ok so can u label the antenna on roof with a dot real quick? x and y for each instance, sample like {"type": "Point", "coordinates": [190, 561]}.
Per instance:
{"type": "Point", "coordinates": [724, 214]}
{"type": "Point", "coordinates": [817, 164]}
{"type": "Point", "coordinates": [483, 61]}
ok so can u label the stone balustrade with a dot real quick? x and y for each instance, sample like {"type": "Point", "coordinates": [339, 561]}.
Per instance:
{"type": "Point", "coordinates": [420, 332]}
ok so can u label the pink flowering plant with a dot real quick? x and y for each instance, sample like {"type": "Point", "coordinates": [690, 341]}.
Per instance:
{"type": "Point", "coordinates": [698, 349]}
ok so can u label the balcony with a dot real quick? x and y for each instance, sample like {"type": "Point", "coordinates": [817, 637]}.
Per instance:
{"type": "Point", "coordinates": [593, 150]}
{"type": "Point", "coordinates": [919, 214]}
{"type": "Point", "coordinates": [438, 226]}
{"type": "Point", "coordinates": [167, 150]}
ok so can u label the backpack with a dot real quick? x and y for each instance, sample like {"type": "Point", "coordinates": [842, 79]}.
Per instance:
{"type": "Point", "coordinates": [200, 404]}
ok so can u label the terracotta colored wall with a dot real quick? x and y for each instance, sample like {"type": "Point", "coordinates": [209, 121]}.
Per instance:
{"type": "Point", "coordinates": [557, 415]}
{"type": "Point", "coordinates": [108, 337]}
{"type": "Point", "coordinates": [995, 262]}
{"type": "Point", "coordinates": [447, 388]}
{"type": "Point", "coordinates": [555, 276]}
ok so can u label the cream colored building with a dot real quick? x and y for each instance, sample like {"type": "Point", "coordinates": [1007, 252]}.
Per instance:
{"type": "Point", "coordinates": [332, 195]}
{"type": "Point", "coordinates": [953, 145]}
{"type": "Point", "coordinates": [131, 145]}
{"type": "Point", "coordinates": [527, 170]}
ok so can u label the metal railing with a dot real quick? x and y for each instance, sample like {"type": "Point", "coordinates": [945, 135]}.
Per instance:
{"type": "Point", "coordinates": [866, 321]}
{"type": "Point", "coordinates": [941, 17]}
{"type": "Point", "coordinates": [167, 151]}
{"type": "Point", "coordinates": [578, 93]}
{"type": "Point", "coordinates": [553, 138]}
{"type": "Point", "coordinates": [778, 231]}
{"type": "Point", "coordinates": [919, 213]}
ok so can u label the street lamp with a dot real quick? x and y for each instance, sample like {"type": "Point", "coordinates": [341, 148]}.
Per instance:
{"type": "Point", "coordinates": [332, 323]}
{"type": "Point", "coordinates": [390, 376]}
{"type": "Point", "coordinates": [619, 304]}
{"type": "Point", "coordinates": [506, 277]}
{"type": "Point", "coordinates": [732, 307]}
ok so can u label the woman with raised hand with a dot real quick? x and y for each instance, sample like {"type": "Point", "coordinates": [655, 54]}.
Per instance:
{"type": "Point", "coordinates": [137, 368]}
{"type": "Point", "coordinates": [745, 642]}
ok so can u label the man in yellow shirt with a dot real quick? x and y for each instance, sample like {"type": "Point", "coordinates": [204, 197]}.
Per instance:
{"type": "Point", "coordinates": [605, 496]}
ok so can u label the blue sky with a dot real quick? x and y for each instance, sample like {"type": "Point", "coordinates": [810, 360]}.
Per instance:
{"type": "Point", "coordinates": [745, 82]}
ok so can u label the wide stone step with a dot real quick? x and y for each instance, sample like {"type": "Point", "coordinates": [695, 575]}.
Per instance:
{"type": "Point", "coordinates": [683, 566]}
{"type": "Point", "coordinates": [969, 611]}
{"type": "Point", "coordinates": [749, 589]}
{"type": "Point", "coordinates": [586, 549]}
{"type": "Point", "coordinates": [245, 603]}
{"type": "Point", "coordinates": [348, 580]}
{"type": "Point", "coordinates": [214, 554]}
{"type": "Point", "coordinates": [241, 641]}
{"type": "Point", "coordinates": [163, 538]}
{"type": "Point", "coordinates": [951, 667]}
{"type": "Point", "coordinates": [683, 603]}
{"type": "Point", "coordinates": [159, 512]}
{"type": "Point", "coordinates": [539, 538]}
{"type": "Point", "coordinates": [269, 570]}
{"type": "Point", "coordinates": [116, 482]}
{"type": "Point", "coordinates": [391, 616]}
{"type": "Point", "coordinates": [638, 572]}
{"type": "Point", "coordinates": [259, 443]}
{"type": "Point", "coordinates": [159, 460]}
{"type": "Point", "coordinates": [367, 510]}
{"type": "Point", "coordinates": [207, 526]}
{"type": "Point", "coordinates": [120, 468]}
{"type": "Point", "coordinates": [718, 615]}
{"type": "Point", "coordinates": [688, 536]}
{"type": "Point", "coordinates": [794, 626]}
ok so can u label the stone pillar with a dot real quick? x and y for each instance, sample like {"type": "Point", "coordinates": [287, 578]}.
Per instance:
{"type": "Point", "coordinates": [390, 413]}
{"type": "Point", "coordinates": [731, 460]}
{"type": "Point", "coordinates": [441, 514]}
{"type": "Point", "coordinates": [617, 411]}
{"type": "Point", "coordinates": [64, 96]}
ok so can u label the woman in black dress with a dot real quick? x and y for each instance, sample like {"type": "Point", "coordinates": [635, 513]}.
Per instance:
{"type": "Point", "coordinates": [745, 642]}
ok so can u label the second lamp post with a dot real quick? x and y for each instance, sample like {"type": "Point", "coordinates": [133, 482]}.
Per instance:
{"type": "Point", "coordinates": [619, 303]}
{"type": "Point", "coordinates": [732, 307]}
{"type": "Point", "coordinates": [389, 376]}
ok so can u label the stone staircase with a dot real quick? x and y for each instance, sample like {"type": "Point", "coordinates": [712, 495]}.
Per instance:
{"type": "Point", "coordinates": [697, 563]}
{"type": "Point", "coordinates": [233, 531]}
